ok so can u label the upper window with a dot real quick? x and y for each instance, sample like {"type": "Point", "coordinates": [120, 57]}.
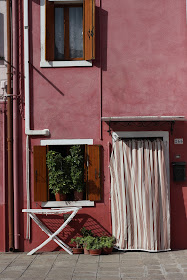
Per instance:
{"type": "Point", "coordinates": [69, 30]}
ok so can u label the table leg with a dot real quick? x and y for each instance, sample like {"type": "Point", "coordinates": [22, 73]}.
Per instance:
{"type": "Point", "coordinates": [51, 237]}
{"type": "Point", "coordinates": [49, 233]}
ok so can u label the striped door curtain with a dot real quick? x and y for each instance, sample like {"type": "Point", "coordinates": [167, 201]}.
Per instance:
{"type": "Point", "coordinates": [140, 195]}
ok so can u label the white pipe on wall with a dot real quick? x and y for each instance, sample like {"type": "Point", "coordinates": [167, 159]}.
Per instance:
{"type": "Point", "coordinates": [44, 132]}
{"type": "Point", "coordinates": [28, 186]}
{"type": "Point", "coordinates": [28, 131]}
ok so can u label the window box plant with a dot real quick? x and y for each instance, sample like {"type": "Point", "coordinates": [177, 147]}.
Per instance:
{"type": "Point", "coordinates": [59, 174]}
{"type": "Point", "coordinates": [79, 248]}
{"type": "Point", "coordinates": [77, 171]}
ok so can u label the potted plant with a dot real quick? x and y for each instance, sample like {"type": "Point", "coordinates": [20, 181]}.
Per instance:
{"type": "Point", "coordinates": [107, 244]}
{"type": "Point", "coordinates": [78, 241]}
{"type": "Point", "coordinates": [59, 174]}
{"type": "Point", "coordinates": [94, 245]}
{"type": "Point", "coordinates": [77, 171]}
{"type": "Point", "coordinates": [85, 233]}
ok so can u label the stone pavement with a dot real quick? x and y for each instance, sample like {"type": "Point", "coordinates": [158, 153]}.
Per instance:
{"type": "Point", "coordinates": [119, 265]}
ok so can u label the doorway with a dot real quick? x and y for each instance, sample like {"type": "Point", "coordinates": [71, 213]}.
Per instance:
{"type": "Point", "coordinates": [140, 190]}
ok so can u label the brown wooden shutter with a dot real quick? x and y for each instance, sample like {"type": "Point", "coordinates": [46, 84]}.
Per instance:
{"type": "Point", "coordinates": [89, 29]}
{"type": "Point", "coordinates": [40, 174]}
{"type": "Point", "coordinates": [49, 30]}
{"type": "Point", "coordinates": [93, 172]}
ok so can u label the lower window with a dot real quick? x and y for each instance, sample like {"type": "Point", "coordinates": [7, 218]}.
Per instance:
{"type": "Point", "coordinates": [71, 166]}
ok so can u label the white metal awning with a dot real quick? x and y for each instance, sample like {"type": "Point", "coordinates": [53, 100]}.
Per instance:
{"type": "Point", "coordinates": [143, 118]}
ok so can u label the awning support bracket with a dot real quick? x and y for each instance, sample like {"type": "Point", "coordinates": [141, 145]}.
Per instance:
{"type": "Point", "coordinates": [109, 130]}
{"type": "Point", "coordinates": [172, 127]}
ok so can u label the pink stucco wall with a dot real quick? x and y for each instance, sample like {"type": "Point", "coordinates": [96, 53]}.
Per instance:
{"type": "Point", "coordinates": [146, 58]}
{"type": "Point", "coordinates": [140, 69]}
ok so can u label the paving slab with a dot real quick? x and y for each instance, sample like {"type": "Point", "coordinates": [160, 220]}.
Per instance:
{"type": "Point", "coordinates": [65, 256]}
{"type": "Point", "coordinates": [83, 278]}
{"type": "Point", "coordinates": [85, 269]}
{"type": "Point", "coordinates": [11, 274]}
{"type": "Point", "coordinates": [88, 259]}
{"type": "Point", "coordinates": [110, 258]}
{"type": "Point", "coordinates": [106, 273]}
{"type": "Point", "coordinates": [108, 277]}
{"type": "Point", "coordinates": [64, 263]}
{"type": "Point", "coordinates": [109, 269]}
{"type": "Point", "coordinates": [64, 277]}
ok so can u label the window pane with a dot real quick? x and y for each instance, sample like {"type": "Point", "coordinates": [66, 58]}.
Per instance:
{"type": "Point", "coordinates": [59, 33]}
{"type": "Point", "coordinates": [76, 32]}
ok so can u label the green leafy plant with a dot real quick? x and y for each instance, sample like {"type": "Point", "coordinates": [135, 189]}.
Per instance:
{"type": "Point", "coordinates": [66, 173]}
{"type": "Point", "coordinates": [92, 243]}
{"type": "Point", "coordinates": [59, 172]}
{"type": "Point", "coordinates": [78, 241]}
{"type": "Point", "coordinates": [86, 232]}
{"type": "Point", "coordinates": [107, 241]}
{"type": "Point", "coordinates": [77, 167]}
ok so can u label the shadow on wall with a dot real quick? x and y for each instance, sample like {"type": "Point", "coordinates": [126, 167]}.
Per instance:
{"type": "Point", "coordinates": [47, 80]}
{"type": "Point", "coordinates": [101, 38]}
{"type": "Point", "coordinates": [73, 228]}
{"type": "Point", "coordinates": [2, 39]}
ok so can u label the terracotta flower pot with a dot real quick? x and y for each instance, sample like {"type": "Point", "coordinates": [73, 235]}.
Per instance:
{"type": "Point", "coordinates": [86, 252]}
{"type": "Point", "coordinates": [78, 195]}
{"type": "Point", "coordinates": [95, 252]}
{"type": "Point", "coordinates": [78, 250]}
{"type": "Point", "coordinates": [107, 251]}
{"type": "Point", "coordinates": [60, 196]}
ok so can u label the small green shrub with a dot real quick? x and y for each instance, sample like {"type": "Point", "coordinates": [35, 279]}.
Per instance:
{"type": "Point", "coordinates": [86, 232]}
{"type": "Point", "coordinates": [92, 243]}
{"type": "Point", "coordinates": [78, 241]}
{"type": "Point", "coordinates": [107, 241]}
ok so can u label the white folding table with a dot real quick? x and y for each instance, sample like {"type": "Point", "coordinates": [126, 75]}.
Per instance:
{"type": "Point", "coordinates": [52, 236]}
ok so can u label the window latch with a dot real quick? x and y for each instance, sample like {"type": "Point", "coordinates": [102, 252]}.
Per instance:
{"type": "Point", "coordinates": [97, 174]}
{"type": "Point", "coordinates": [91, 33]}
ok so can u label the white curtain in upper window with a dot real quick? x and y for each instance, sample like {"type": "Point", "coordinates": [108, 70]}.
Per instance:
{"type": "Point", "coordinates": [59, 33]}
{"type": "Point", "coordinates": [76, 32]}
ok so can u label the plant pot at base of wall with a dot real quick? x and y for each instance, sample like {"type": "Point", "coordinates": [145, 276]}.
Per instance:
{"type": "Point", "coordinates": [95, 252]}
{"type": "Point", "coordinates": [86, 252]}
{"type": "Point", "coordinates": [78, 195]}
{"type": "Point", "coordinates": [107, 251]}
{"type": "Point", "coordinates": [60, 196]}
{"type": "Point", "coordinates": [77, 250]}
